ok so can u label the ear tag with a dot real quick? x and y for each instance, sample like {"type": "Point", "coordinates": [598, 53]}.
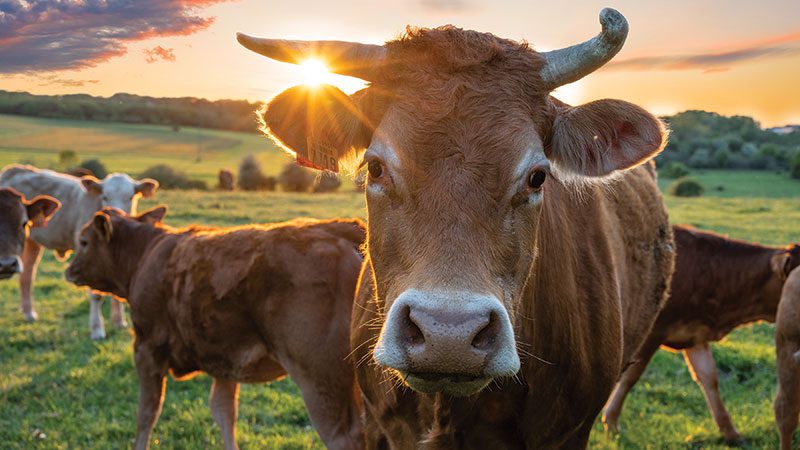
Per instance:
{"type": "Point", "coordinates": [319, 156]}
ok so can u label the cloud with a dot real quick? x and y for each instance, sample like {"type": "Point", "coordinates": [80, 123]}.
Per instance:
{"type": "Point", "coordinates": [48, 35]}
{"type": "Point", "coordinates": [446, 5]}
{"type": "Point", "coordinates": [714, 62]}
{"type": "Point", "coordinates": [51, 79]}
{"type": "Point", "coordinates": [159, 53]}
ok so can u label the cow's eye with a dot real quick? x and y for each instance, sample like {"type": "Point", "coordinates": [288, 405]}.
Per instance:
{"type": "Point", "coordinates": [83, 243]}
{"type": "Point", "coordinates": [105, 198]}
{"type": "Point", "coordinates": [375, 169]}
{"type": "Point", "coordinates": [536, 178]}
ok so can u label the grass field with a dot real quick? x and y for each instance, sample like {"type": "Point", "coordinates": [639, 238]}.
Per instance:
{"type": "Point", "coordinates": [59, 389]}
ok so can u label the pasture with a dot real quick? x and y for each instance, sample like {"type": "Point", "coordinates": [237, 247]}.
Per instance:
{"type": "Point", "coordinates": [59, 389]}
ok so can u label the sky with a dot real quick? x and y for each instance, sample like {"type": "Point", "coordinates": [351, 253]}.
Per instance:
{"type": "Point", "coordinates": [728, 56]}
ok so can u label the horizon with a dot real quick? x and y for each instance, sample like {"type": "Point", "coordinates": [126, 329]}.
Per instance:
{"type": "Point", "coordinates": [678, 57]}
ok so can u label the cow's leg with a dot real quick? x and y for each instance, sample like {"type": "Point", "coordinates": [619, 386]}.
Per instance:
{"type": "Point", "coordinates": [787, 402]}
{"type": "Point", "coordinates": [31, 255]}
{"type": "Point", "coordinates": [331, 401]}
{"type": "Point", "coordinates": [118, 314]}
{"type": "Point", "coordinates": [704, 372]}
{"type": "Point", "coordinates": [626, 382]}
{"type": "Point", "coordinates": [97, 327]}
{"type": "Point", "coordinates": [152, 383]}
{"type": "Point", "coordinates": [224, 403]}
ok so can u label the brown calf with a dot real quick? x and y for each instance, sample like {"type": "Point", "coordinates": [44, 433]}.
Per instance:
{"type": "Point", "coordinates": [17, 216]}
{"type": "Point", "coordinates": [787, 343]}
{"type": "Point", "coordinates": [246, 304]}
{"type": "Point", "coordinates": [718, 284]}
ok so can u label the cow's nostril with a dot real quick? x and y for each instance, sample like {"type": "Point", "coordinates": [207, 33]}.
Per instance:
{"type": "Point", "coordinates": [410, 330]}
{"type": "Point", "coordinates": [485, 338]}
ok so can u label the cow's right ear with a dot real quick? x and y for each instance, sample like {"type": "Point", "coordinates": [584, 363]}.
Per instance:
{"type": "Point", "coordinates": [782, 265]}
{"type": "Point", "coordinates": [92, 185]}
{"type": "Point", "coordinates": [102, 225]}
{"type": "Point", "coordinates": [41, 209]}
{"type": "Point", "coordinates": [153, 215]}
{"type": "Point", "coordinates": [309, 120]}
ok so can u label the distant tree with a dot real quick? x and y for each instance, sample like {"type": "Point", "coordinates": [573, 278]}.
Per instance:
{"type": "Point", "coordinates": [295, 178]}
{"type": "Point", "coordinates": [795, 166]}
{"type": "Point", "coordinates": [67, 159]}
{"type": "Point", "coordinates": [327, 183]}
{"type": "Point", "coordinates": [686, 187]}
{"type": "Point", "coordinates": [251, 177]}
{"type": "Point", "coordinates": [674, 170]}
{"type": "Point", "coordinates": [170, 178]}
{"type": "Point", "coordinates": [95, 166]}
{"type": "Point", "coordinates": [701, 159]}
{"type": "Point", "coordinates": [225, 180]}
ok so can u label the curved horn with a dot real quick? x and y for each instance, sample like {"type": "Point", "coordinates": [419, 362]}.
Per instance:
{"type": "Point", "coordinates": [570, 64]}
{"type": "Point", "coordinates": [345, 58]}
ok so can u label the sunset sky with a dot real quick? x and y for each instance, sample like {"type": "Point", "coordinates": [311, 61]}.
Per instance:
{"type": "Point", "coordinates": [728, 56]}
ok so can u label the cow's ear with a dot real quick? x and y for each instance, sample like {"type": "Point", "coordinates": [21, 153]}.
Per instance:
{"type": "Point", "coordinates": [147, 187]}
{"type": "Point", "coordinates": [604, 136]}
{"type": "Point", "coordinates": [41, 209]}
{"type": "Point", "coordinates": [102, 225]}
{"type": "Point", "coordinates": [318, 122]}
{"type": "Point", "coordinates": [153, 215]}
{"type": "Point", "coordinates": [92, 185]}
{"type": "Point", "coordinates": [782, 264]}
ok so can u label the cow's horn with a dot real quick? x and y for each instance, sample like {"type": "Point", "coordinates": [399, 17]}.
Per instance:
{"type": "Point", "coordinates": [345, 58]}
{"type": "Point", "coordinates": [570, 64]}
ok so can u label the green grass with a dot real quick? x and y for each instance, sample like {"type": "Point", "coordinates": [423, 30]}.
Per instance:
{"type": "Point", "coordinates": [133, 148]}
{"type": "Point", "coordinates": [82, 394]}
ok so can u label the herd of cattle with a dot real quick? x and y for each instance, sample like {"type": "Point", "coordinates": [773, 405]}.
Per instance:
{"type": "Point", "coordinates": [517, 262]}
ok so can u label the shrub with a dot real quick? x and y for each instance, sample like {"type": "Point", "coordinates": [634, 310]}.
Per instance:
{"type": "Point", "coordinates": [67, 158]}
{"type": "Point", "coordinates": [795, 166]}
{"type": "Point", "coordinates": [95, 166]}
{"type": "Point", "coordinates": [686, 187]}
{"type": "Point", "coordinates": [169, 178]}
{"type": "Point", "coordinates": [251, 178]}
{"type": "Point", "coordinates": [225, 180]}
{"type": "Point", "coordinates": [674, 170]}
{"type": "Point", "coordinates": [327, 183]}
{"type": "Point", "coordinates": [295, 178]}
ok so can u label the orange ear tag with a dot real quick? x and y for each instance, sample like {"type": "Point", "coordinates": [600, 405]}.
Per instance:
{"type": "Point", "coordinates": [319, 157]}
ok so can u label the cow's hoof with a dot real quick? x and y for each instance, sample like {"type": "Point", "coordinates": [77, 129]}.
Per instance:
{"type": "Point", "coordinates": [733, 438]}
{"type": "Point", "coordinates": [98, 334]}
{"type": "Point", "coordinates": [31, 316]}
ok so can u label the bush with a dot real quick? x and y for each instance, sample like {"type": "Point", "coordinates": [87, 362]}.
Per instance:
{"type": "Point", "coordinates": [225, 180]}
{"type": "Point", "coordinates": [67, 158]}
{"type": "Point", "coordinates": [169, 178]}
{"type": "Point", "coordinates": [295, 178]}
{"type": "Point", "coordinates": [95, 166]}
{"type": "Point", "coordinates": [686, 187]}
{"type": "Point", "coordinates": [251, 178]}
{"type": "Point", "coordinates": [795, 166]}
{"type": "Point", "coordinates": [674, 170]}
{"type": "Point", "coordinates": [327, 183]}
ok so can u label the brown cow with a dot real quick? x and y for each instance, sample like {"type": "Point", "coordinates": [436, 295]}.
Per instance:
{"type": "Point", "coordinates": [509, 245]}
{"type": "Point", "coordinates": [718, 285]}
{"type": "Point", "coordinates": [246, 304]}
{"type": "Point", "coordinates": [787, 346]}
{"type": "Point", "coordinates": [17, 216]}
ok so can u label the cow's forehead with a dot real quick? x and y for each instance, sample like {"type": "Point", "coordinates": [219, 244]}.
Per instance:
{"type": "Point", "coordinates": [119, 184]}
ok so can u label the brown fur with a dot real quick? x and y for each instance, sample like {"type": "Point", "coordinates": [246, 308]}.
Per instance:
{"type": "Point", "coordinates": [787, 342]}
{"type": "Point", "coordinates": [719, 284]}
{"type": "Point", "coordinates": [246, 304]}
{"type": "Point", "coordinates": [582, 274]}
{"type": "Point", "coordinates": [17, 218]}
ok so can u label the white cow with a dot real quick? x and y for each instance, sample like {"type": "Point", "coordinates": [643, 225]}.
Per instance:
{"type": "Point", "coordinates": [80, 199]}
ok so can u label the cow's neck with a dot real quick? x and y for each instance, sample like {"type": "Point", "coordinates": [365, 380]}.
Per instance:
{"type": "Point", "coordinates": [750, 294]}
{"type": "Point", "coordinates": [134, 241]}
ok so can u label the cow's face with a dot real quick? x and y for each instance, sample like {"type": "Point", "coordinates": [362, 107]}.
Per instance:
{"type": "Point", "coordinates": [95, 263]}
{"type": "Point", "coordinates": [460, 140]}
{"type": "Point", "coordinates": [17, 217]}
{"type": "Point", "coordinates": [119, 190]}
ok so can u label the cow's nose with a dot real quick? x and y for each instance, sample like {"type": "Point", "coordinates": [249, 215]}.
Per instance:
{"type": "Point", "coordinates": [10, 265]}
{"type": "Point", "coordinates": [454, 334]}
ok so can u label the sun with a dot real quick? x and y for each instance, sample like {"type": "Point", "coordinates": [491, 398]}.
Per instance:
{"type": "Point", "coordinates": [315, 72]}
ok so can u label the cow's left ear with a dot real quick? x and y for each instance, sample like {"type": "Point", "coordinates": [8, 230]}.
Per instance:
{"type": "Point", "coordinates": [153, 215]}
{"type": "Point", "coordinates": [782, 265]}
{"type": "Point", "coordinates": [147, 187]}
{"type": "Point", "coordinates": [604, 136]}
{"type": "Point", "coordinates": [102, 225]}
{"type": "Point", "coordinates": [92, 185]}
{"type": "Point", "coordinates": [41, 209]}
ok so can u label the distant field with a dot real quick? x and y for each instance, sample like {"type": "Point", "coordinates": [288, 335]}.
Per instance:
{"type": "Point", "coordinates": [82, 394]}
{"type": "Point", "coordinates": [133, 148]}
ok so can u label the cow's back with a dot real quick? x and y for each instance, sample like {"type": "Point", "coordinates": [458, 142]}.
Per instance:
{"type": "Point", "coordinates": [62, 228]}
{"type": "Point", "coordinates": [236, 299]}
